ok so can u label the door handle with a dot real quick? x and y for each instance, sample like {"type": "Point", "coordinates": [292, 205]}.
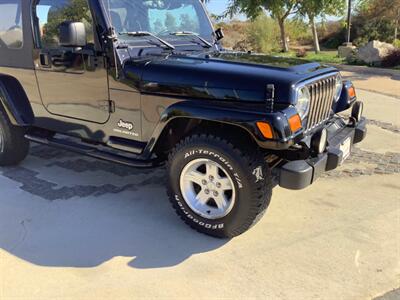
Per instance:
{"type": "Point", "coordinates": [44, 60]}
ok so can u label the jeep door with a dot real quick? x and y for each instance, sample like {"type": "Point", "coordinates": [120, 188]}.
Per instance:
{"type": "Point", "coordinates": [72, 81]}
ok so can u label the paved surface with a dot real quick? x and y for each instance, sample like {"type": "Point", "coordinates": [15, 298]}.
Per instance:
{"type": "Point", "coordinates": [75, 228]}
{"type": "Point", "coordinates": [371, 80]}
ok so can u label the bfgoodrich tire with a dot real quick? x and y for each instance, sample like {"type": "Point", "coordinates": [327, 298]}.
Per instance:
{"type": "Point", "coordinates": [217, 188]}
{"type": "Point", "coordinates": [14, 147]}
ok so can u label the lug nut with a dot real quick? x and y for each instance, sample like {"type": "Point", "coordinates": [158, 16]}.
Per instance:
{"type": "Point", "coordinates": [204, 182]}
{"type": "Point", "coordinates": [218, 185]}
{"type": "Point", "coordinates": [207, 191]}
{"type": "Point", "coordinates": [215, 194]}
{"type": "Point", "coordinates": [211, 177]}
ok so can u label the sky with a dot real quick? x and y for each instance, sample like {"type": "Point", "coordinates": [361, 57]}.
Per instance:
{"type": "Point", "coordinates": [217, 7]}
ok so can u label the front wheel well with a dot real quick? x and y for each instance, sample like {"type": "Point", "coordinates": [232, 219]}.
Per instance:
{"type": "Point", "coordinates": [180, 128]}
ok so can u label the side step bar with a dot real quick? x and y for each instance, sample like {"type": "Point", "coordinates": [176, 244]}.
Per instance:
{"type": "Point", "coordinates": [92, 151]}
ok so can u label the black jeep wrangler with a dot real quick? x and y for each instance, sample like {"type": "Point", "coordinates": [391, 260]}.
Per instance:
{"type": "Point", "coordinates": [144, 82]}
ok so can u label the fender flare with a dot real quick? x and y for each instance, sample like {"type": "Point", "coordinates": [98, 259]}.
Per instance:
{"type": "Point", "coordinates": [15, 102]}
{"type": "Point", "coordinates": [233, 116]}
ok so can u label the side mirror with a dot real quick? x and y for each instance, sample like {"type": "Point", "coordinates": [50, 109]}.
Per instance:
{"type": "Point", "coordinates": [72, 34]}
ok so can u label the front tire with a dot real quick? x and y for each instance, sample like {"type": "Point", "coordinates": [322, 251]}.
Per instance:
{"type": "Point", "coordinates": [217, 188]}
{"type": "Point", "coordinates": [14, 147]}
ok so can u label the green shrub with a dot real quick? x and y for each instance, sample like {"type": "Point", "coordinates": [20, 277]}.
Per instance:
{"type": "Point", "coordinates": [298, 31]}
{"type": "Point", "coordinates": [396, 43]}
{"type": "Point", "coordinates": [235, 35]}
{"type": "Point", "coordinates": [263, 35]}
{"type": "Point", "coordinates": [334, 41]}
{"type": "Point", "coordinates": [368, 30]}
{"type": "Point", "coordinates": [392, 59]}
{"type": "Point", "coordinates": [332, 34]}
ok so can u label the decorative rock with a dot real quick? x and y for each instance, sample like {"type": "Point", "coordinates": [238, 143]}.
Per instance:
{"type": "Point", "coordinates": [346, 51]}
{"type": "Point", "coordinates": [374, 52]}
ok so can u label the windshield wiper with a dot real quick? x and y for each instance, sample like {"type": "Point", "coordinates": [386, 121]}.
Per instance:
{"type": "Point", "coordinates": [206, 43]}
{"type": "Point", "coordinates": [145, 33]}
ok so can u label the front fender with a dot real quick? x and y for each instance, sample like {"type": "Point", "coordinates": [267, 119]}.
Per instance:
{"type": "Point", "coordinates": [344, 101]}
{"type": "Point", "coordinates": [237, 114]}
{"type": "Point", "coordinates": [15, 102]}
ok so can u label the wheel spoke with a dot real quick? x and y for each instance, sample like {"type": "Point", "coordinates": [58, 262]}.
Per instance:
{"type": "Point", "coordinates": [221, 202]}
{"type": "Point", "coordinates": [212, 169]}
{"type": "Point", "coordinates": [194, 176]}
{"type": "Point", "coordinates": [202, 198]}
{"type": "Point", "coordinates": [226, 184]}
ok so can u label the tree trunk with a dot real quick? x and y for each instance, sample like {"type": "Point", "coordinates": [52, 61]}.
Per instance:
{"type": "Point", "coordinates": [315, 34]}
{"type": "Point", "coordinates": [396, 24]}
{"type": "Point", "coordinates": [285, 45]}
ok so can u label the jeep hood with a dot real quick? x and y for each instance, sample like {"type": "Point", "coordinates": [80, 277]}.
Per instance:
{"type": "Point", "coordinates": [224, 76]}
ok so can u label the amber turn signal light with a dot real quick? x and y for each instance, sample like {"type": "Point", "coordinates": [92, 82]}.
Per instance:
{"type": "Point", "coordinates": [265, 129]}
{"type": "Point", "coordinates": [352, 92]}
{"type": "Point", "coordinates": [295, 123]}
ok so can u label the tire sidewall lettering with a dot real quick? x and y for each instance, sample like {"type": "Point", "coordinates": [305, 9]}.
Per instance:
{"type": "Point", "coordinates": [196, 220]}
{"type": "Point", "coordinates": [219, 158]}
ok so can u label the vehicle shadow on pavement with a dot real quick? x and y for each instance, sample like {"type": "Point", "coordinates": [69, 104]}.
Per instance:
{"type": "Point", "coordinates": [60, 209]}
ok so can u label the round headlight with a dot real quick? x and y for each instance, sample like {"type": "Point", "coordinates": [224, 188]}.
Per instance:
{"type": "Point", "coordinates": [303, 102]}
{"type": "Point", "coordinates": [339, 87]}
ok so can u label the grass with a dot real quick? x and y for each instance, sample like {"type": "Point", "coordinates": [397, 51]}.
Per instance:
{"type": "Point", "coordinates": [323, 57]}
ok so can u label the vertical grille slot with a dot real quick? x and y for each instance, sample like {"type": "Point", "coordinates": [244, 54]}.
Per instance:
{"type": "Point", "coordinates": [321, 94]}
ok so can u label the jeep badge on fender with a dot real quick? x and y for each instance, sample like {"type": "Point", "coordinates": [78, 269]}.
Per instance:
{"type": "Point", "coordinates": [97, 77]}
{"type": "Point", "coordinates": [126, 125]}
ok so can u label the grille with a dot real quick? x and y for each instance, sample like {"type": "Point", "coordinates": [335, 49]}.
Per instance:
{"type": "Point", "coordinates": [322, 94]}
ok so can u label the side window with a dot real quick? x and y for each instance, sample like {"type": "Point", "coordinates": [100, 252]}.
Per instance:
{"type": "Point", "coordinates": [51, 14]}
{"type": "Point", "coordinates": [10, 24]}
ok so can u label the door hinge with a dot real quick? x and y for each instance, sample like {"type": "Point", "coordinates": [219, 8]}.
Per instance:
{"type": "Point", "coordinates": [108, 106]}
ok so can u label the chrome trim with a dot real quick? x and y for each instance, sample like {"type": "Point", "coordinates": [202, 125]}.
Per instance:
{"type": "Point", "coordinates": [309, 102]}
{"type": "Point", "coordinates": [337, 97]}
{"type": "Point", "coordinates": [322, 95]}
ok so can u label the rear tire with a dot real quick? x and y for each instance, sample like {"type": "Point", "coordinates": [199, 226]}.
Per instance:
{"type": "Point", "coordinates": [217, 188]}
{"type": "Point", "coordinates": [14, 147]}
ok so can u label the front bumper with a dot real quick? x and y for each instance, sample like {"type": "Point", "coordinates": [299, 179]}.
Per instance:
{"type": "Point", "coordinates": [299, 174]}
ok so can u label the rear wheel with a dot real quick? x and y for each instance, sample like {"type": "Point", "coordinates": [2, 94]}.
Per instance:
{"type": "Point", "coordinates": [217, 188]}
{"type": "Point", "coordinates": [14, 147]}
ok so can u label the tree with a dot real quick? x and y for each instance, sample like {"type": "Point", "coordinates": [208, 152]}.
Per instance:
{"type": "Point", "coordinates": [279, 10]}
{"type": "Point", "coordinates": [74, 10]}
{"type": "Point", "coordinates": [385, 9]}
{"type": "Point", "coordinates": [313, 9]}
{"type": "Point", "coordinates": [376, 20]}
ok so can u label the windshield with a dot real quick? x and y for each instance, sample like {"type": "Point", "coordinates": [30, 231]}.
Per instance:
{"type": "Point", "coordinates": [162, 18]}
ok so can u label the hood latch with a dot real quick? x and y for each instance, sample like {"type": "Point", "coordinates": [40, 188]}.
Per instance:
{"type": "Point", "coordinates": [270, 97]}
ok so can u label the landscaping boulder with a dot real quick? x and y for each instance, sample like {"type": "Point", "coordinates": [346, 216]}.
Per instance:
{"type": "Point", "coordinates": [346, 51]}
{"type": "Point", "coordinates": [374, 52]}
